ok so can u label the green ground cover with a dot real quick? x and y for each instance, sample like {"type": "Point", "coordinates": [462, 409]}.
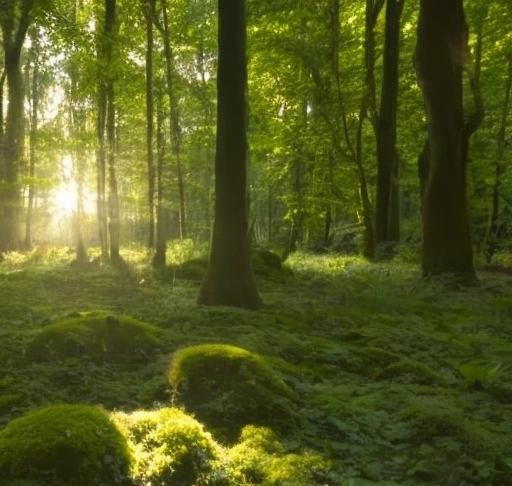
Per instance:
{"type": "Point", "coordinates": [392, 380]}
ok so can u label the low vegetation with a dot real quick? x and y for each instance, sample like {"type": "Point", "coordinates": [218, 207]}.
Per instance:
{"type": "Point", "coordinates": [351, 374]}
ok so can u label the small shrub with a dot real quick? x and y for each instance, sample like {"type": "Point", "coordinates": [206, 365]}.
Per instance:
{"type": "Point", "coordinates": [169, 447]}
{"type": "Point", "coordinates": [228, 387]}
{"type": "Point", "coordinates": [68, 444]}
{"type": "Point", "coordinates": [97, 335]}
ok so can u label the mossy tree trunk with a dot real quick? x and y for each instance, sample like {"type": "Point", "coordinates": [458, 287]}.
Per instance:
{"type": "Point", "coordinates": [440, 49]}
{"type": "Point", "coordinates": [229, 278]}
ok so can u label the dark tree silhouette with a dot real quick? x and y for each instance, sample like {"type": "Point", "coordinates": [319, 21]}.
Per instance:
{"type": "Point", "coordinates": [440, 54]}
{"type": "Point", "coordinates": [229, 278]}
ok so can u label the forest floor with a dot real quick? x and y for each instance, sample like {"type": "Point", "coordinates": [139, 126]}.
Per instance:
{"type": "Point", "coordinates": [402, 381]}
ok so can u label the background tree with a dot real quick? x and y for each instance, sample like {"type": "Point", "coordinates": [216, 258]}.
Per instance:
{"type": "Point", "coordinates": [229, 278]}
{"type": "Point", "coordinates": [387, 219]}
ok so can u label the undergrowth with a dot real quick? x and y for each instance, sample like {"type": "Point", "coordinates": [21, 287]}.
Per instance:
{"type": "Point", "coordinates": [399, 380]}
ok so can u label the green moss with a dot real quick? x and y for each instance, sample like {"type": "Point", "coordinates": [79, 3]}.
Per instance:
{"type": "Point", "coordinates": [259, 458]}
{"type": "Point", "coordinates": [73, 444]}
{"type": "Point", "coordinates": [228, 387]}
{"type": "Point", "coordinates": [169, 447]}
{"type": "Point", "coordinates": [409, 371]}
{"type": "Point", "coordinates": [97, 335]}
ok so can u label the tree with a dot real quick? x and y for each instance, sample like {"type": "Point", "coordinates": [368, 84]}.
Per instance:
{"type": "Point", "coordinates": [440, 56]}
{"type": "Point", "coordinates": [15, 18]}
{"type": "Point", "coordinates": [387, 220]}
{"type": "Point", "coordinates": [229, 278]}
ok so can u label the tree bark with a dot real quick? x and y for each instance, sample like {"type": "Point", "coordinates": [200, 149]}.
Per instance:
{"type": "Point", "coordinates": [229, 278]}
{"type": "Point", "coordinates": [441, 44]}
{"type": "Point", "coordinates": [387, 217]}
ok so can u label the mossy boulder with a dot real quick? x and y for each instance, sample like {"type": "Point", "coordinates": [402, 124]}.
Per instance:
{"type": "Point", "coordinates": [228, 387]}
{"type": "Point", "coordinates": [169, 447]}
{"type": "Point", "coordinates": [97, 335]}
{"type": "Point", "coordinates": [65, 444]}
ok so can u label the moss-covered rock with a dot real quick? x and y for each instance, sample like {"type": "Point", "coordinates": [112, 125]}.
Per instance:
{"type": "Point", "coordinates": [65, 444]}
{"type": "Point", "coordinates": [169, 447]}
{"type": "Point", "coordinates": [97, 335]}
{"type": "Point", "coordinates": [228, 387]}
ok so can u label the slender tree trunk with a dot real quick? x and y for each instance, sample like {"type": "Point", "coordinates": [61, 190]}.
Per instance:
{"type": "Point", "coordinates": [113, 196]}
{"type": "Point", "coordinates": [101, 159]}
{"type": "Point", "coordinates": [174, 126]}
{"type": "Point", "coordinates": [34, 125]}
{"type": "Point", "coordinates": [387, 220]}
{"type": "Point", "coordinates": [367, 111]}
{"type": "Point", "coordinates": [149, 13]}
{"type": "Point", "coordinates": [441, 44]}
{"type": "Point", "coordinates": [159, 259]}
{"type": "Point", "coordinates": [495, 227]}
{"type": "Point", "coordinates": [229, 278]}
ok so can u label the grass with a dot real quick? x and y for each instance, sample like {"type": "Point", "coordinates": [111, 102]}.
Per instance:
{"type": "Point", "coordinates": [400, 380]}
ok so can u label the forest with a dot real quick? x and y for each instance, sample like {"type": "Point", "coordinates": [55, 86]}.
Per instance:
{"type": "Point", "coordinates": [253, 242]}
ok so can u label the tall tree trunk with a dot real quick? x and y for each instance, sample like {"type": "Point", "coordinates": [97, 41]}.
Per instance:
{"type": "Point", "coordinates": [149, 14]}
{"type": "Point", "coordinates": [108, 207]}
{"type": "Point", "coordinates": [495, 227]}
{"type": "Point", "coordinates": [101, 160]}
{"type": "Point", "coordinates": [229, 278]}
{"type": "Point", "coordinates": [387, 217]}
{"type": "Point", "coordinates": [34, 125]}
{"type": "Point", "coordinates": [174, 126]}
{"type": "Point", "coordinates": [441, 44]}
{"type": "Point", "coordinates": [159, 259]}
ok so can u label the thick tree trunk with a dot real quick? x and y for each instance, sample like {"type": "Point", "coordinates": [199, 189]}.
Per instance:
{"type": "Point", "coordinates": [387, 225]}
{"type": "Point", "coordinates": [442, 39]}
{"type": "Point", "coordinates": [229, 277]}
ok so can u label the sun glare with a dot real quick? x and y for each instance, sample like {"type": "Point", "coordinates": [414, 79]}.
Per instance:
{"type": "Point", "coordinates": [64, 197]}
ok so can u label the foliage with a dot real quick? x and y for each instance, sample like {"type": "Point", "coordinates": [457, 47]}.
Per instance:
{"type": "Point", "coordinates": [64, 445]}
{"type": "Point", "coordinates": [228, 387]}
